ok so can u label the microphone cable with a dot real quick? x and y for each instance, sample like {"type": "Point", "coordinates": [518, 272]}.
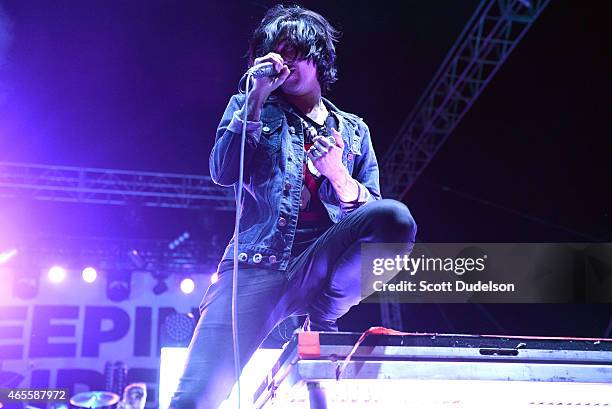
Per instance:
{"type": "Point", "coordinates": [239, 188]}
{"type": "Point", "coordinates": [254, 72]}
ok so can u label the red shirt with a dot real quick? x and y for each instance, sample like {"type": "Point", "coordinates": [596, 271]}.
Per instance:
{"type": "Point", "coordinates": [312, 211]}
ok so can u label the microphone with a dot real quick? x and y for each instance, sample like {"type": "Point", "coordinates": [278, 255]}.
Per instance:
{"type": "Point", "coordinates": [329, 124]}
{"type": "Point", "coordinates": [265, 69]}
{"type": "Point", "coordinates": [327, 130]}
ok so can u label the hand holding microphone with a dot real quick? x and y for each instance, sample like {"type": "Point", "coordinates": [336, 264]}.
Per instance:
{"type": "Point", "coordinates": [269, 72]}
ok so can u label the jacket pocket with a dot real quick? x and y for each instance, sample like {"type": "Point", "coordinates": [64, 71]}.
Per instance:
{"type": "Point", "coordinates": [271, 135]}
{"type": "Point", "coordinates": [267, 156]}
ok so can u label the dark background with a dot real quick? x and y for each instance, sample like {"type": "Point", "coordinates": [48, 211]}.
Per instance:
{"type": "Point", "coordinates": [141, 85]}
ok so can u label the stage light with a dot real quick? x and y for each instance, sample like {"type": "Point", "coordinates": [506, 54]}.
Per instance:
{"type": "Point", "coordinates": [136, 259]}
{"type": "Point", "coordinates": [6, 255]}
{"type": "Point", "coordinates": [178, 241]}
{"type": "Point", "coordinates": [172, 364]}
{"type": "Point", "coordinates": [89, 274]}
{"type": "Point", "coordinates": [177, 330]}
{"type": "Point", "coordinates": [214, 278]}
{"type": "Point", "coordinates": [161, 287]}
{"type": "Point", "coordinates": [118, 285]}
{"type": "Point", "coordinates": [187, 285]}
{"type": "Point", "coordinates": [56, 274]}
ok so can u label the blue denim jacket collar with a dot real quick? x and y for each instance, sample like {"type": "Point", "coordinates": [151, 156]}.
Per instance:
{"type": "Point", "coordinates": [347, 123]}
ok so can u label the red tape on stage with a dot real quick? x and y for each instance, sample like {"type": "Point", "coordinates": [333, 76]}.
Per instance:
{"type": "Point", "coordinates": [371, 331]}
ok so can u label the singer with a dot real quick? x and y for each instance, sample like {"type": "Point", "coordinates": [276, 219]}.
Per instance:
{"type": "Point", "coordinates": [311, 199]}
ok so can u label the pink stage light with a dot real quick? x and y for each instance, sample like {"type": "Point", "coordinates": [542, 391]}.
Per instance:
{"type": "Point", "coordinates": [187, 285]}
{"type": "Point", "coordinates": [214, 277]}
{"type": "Point", "coordinates": [89, 274]}
{"type": "Point", "coordinates": [57, 274]}
{"type": "Point", "coordinates": [6, 255]}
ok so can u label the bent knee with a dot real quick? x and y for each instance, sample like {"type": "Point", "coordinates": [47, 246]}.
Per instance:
{"type": "Point", "coordinates": [391, 221]}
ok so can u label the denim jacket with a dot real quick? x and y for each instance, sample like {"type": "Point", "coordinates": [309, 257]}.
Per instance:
{"type": "Point", "coordinates": [273, 173]}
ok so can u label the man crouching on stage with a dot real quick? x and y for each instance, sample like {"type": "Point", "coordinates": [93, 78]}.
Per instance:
{"type": "Point", "coordinates": [311, 199]}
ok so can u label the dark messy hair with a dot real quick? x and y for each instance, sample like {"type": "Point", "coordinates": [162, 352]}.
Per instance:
{"type": "Point", "coordinates": [310, 33]}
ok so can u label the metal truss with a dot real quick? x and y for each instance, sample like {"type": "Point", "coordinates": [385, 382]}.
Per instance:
{"type": "Point", "coordinates": [112, 187]}
{"type": "Point", "coordinates": [491, 34]}
{"type": "Point", "coordinates": [114, 254]}
{"type": "Point", "coordinates": [493, 31]}
{"type": "Point", "coordinates": [391, 313]}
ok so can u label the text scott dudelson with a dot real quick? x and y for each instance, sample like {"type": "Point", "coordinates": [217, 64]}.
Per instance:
{"type": "Point", "coordinates": [445, 286]}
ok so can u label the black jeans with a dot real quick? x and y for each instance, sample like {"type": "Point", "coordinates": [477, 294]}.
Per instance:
{"type": "Point", "coordinates": [325, 283]}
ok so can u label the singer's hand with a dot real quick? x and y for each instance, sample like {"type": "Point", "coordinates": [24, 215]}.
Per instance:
{"type": "Point", "coordinates": [327, 156]}
{"type": "Point", "coordinates": [264, 86]}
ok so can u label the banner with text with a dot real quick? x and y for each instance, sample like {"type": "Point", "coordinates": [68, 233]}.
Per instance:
{"type": "Point", "coordinates": [65, 335]}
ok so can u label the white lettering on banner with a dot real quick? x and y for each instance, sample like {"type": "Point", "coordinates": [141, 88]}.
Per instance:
{"type": "Point", "coordinates": [66, 334]}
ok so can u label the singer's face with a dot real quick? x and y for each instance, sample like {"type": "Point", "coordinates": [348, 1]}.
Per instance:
{"type": "Point", "coordinates": [303, 77]}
